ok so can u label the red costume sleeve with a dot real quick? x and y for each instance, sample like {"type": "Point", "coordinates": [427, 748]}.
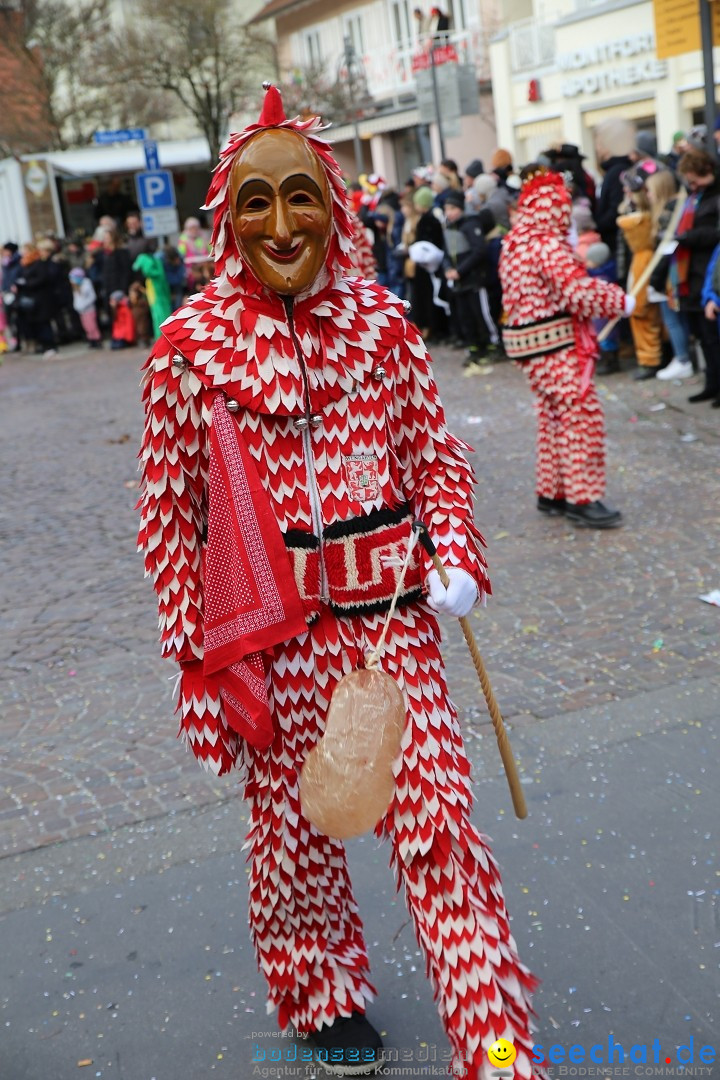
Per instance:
{"type": "Point", "coordinates": [174, 465]}
{"type": "Point", "coordinates": [435, 474]}
{"type": "Point", "coordinates": [574, 290]}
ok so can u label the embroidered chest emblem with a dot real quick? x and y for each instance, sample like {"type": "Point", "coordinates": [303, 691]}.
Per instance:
{"type": "Point", "coordinates": [361, 474]}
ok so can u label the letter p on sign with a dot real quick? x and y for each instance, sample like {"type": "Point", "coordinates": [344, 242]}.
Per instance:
{"type": "Point", "coordinates": [155, 189]}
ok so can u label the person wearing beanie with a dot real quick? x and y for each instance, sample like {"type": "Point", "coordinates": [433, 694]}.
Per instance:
{"type": "Point", "coordinates": [428, 309]}
{"type": "Point", "coordinates": [549, 303]}
{"type": "Point", "coordinates": [423, 199]}
{"type": "Point", "coordinates": [85, 303]}
{"type": "Point", "coordinates": [471, 171]}
{"type": "Point", "coordinates": [501, 162]}
{"type": "Point", "coordinates": [645, 147]}
{"type": "Point", "coordinates": [293, 434]}
{"type": "Point", "coordinates": [499, 200]}
{"type": "Point", "coordinates": [465, 268]}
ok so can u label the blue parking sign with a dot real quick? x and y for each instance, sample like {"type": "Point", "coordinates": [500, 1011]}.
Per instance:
{"type": "Point", "coordinates": [155, 189]}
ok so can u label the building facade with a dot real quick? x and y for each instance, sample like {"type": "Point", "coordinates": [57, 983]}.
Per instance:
{"type": "Point", "coordinates": [394, 126]}
{"type": "Point", "coordinates": [560, 72]}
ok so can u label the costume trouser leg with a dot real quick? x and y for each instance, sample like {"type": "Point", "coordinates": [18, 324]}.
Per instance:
{"type": "Point", "coordinates": [571, 431]}
{"type": "Point", "coordinates": [303, 917]}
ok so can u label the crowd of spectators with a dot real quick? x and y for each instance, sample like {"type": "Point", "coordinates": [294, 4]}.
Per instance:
{"type": "Point", "coordinates": [437, 242]}
{"type": "Point", "coordinates": [115, 285]}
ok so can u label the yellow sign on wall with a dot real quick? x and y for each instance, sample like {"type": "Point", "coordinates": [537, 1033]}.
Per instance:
{"type": "Point", "coordinates": [677, 26]}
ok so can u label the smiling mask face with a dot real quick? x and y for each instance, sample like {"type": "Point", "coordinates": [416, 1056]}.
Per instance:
{"type": "Point", "coordinates": [281, 210]}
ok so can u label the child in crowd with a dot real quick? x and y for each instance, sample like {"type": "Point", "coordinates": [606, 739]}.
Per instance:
{"type": "Point", "coordinates": [176, 275]}
{"type": "Point", "coordinates": [123, 327]}
{"type": "Point", "coordinates": [636, 225]}
{"type": "Point", "coordinates": [599, 263]}
{"type": "Point", "coordinates": [141, 313]}
{"type": "Point", "coordinates": [584, 226]}
{"type": "Point", "coordinates": [84, 302]}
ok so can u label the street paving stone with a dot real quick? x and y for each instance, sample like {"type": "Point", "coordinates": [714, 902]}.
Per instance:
{"type": "Point", "coordinates": [578, 617]}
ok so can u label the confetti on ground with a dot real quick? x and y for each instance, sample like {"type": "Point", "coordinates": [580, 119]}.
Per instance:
{"type": "Point", "coordinates": [688, 437]}
{"type": "Point", "coordinates": [659, 407]}
{"type": "Point", "coordinates": [84, 1062]}
{"type": "Point", "coordinates": [711, 597]}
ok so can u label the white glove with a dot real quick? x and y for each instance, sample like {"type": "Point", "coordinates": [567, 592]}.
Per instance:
{"type": "Point", "coordinates": [630, 305]}
{"type": "Point", "coordinates": [460, 596]}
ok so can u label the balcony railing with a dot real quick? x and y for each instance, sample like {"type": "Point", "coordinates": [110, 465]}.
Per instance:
{"type": "Point", "coordinates": [532, 45]}
{"type": "Point", "coordinates": [391, 72]}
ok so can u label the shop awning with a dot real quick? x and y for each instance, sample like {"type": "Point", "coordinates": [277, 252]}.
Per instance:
{"type": "Point", "coordinates": [629, 110]}
{"type": "Point", "coordinates": [374, 125]}
{"type": "Point", "coordinates": [125, 157]}
{"type": "Point", "coordinates": [531, 128]}
{"type": "Point", "coordinates": [693, 99]}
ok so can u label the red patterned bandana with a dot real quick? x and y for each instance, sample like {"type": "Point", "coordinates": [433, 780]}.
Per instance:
{"type": "Point", "coordinates": [251, 599]}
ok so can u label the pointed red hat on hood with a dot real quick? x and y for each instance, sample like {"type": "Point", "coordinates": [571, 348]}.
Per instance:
{"type": "Point", "coordinates": [227, 255]}
{"type": "Point", "coordinates": [273, 112]}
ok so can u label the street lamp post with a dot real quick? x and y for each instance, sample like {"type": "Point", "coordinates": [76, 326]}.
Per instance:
{"type": "Point", "coordinates": [436, 99]}
{"type": "Point", "coordinates": [357, 87]}
{"type": "Point", "coordinates": [706, 32]}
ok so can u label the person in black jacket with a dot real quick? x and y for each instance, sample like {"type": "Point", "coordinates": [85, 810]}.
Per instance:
{"type": "Point", "coordinates": [614, 142]}
{"type": "Point", "coordinates": [35, 290]}
{"type": "Point", "coordinates": [116, 265]}
{"type": "Point", "coordinates": [10, 274]}
{"type": "Point", "coordinates": [698, 234]}
{"type": "Point", "coordinates": [465, 272]}
{"type": "Point", "coordinates": [426, 312]}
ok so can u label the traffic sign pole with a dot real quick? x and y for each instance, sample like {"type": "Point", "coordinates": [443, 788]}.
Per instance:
{"type": "Point", "coordinates": [706, 32]}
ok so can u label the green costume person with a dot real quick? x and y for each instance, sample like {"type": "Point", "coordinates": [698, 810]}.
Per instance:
{"type": "Point", "coordinates": [157, 289]}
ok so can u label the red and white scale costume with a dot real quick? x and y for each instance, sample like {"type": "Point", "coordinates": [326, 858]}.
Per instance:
{"type": "Point", "coordinates": [374, 402]}
{"type": "Point", "coordinates": [541, 280]}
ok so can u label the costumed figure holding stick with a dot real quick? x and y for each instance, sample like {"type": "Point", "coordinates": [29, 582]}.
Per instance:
{"type": "Point", "coordinates": [293, 435]}
{"type": "Point", "coordinates": [550, 302]}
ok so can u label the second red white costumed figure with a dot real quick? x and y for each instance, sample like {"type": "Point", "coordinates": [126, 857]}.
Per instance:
{"type": "Point", "coordinates": [292, 403]}
{"type": "Point", "coordinates": [550, 302]}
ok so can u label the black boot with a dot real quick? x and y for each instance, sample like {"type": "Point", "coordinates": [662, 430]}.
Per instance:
{"type": "Point", "coordinates": [553, 507]}
{"type": "Point", "coordinates": [594, 515]}
{"type": "Point", "coordinates": [609, 363]}
{"type": "Point", "coordinates": [350, 1046]}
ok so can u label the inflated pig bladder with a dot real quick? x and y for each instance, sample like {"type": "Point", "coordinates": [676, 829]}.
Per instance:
{"type": "Point", "coordinates": [346, 783]}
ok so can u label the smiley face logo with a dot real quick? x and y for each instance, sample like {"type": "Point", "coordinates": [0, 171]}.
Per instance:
{"type": "Point", "coordinates": [502, 1053]}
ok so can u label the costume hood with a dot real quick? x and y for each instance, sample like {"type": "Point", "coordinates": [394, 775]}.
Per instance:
{"type": "Point", "coordinates": [228, 260]}
{"type": "Point", "coordinates": [544, 205]}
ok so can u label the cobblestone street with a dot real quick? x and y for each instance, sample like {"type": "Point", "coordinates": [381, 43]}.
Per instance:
{"type": "Point", "coordinates": [578, 618]}
{"type": "Point", "coordinates": [123, 905]}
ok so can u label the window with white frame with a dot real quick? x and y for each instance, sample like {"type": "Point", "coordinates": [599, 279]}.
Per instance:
{"type": "Point", "coordinates": [400, 23]}
{"type": "Point", "coordinates": [311, 47]}
{"type": "Point", "coordinates": [456, 11]}
{"type": "Point", "coordinates": [353, 29]}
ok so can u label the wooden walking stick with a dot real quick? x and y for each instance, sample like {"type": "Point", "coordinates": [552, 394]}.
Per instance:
{"type": "Point", "coordinates": [516, 792]}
